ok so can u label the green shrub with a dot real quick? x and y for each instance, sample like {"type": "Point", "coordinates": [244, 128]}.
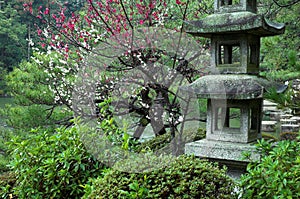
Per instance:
{"type": "Point", "coordinates": [52, 165]}
{"type": "Point", "coordinates": [3, 161]}
{"type": "Point", "coordinates": [5, 136]}
{"type": "Point", "coordinates": [3, 154]}
{"type": "Point", "coordinates": [277, 174]}
{"type": "Point", "coordinates": [185, 177]}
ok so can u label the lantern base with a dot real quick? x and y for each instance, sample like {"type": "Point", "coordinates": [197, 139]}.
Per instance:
{"type": "Point", "coordinates": [225, 153]}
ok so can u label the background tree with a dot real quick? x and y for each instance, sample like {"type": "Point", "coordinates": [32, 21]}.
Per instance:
{"type": "Point", "coordinates": [12, 37]}
{"type": "Point", "coordinates": [280, 54]}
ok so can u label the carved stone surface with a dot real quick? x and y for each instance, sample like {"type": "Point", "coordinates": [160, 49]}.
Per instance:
{"type": "Point", "coordinates": [221, 150]}
{"type": "Point", "coordinates": [230, 87]}
{"type": "Point", "coordinates": [235, 31]}
{"type": "Point", "coordinates": [236, 22]}
{"type": "Point", "coordinates": [236, 121]}
{"type": "Point", "coordinates": [268, 126]}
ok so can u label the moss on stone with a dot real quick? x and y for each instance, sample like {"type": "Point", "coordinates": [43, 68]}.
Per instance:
{"type": "Point", "coordinates": [234, 22]}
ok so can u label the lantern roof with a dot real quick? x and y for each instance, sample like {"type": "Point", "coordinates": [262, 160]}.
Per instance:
{"type": "Point", "coordinates": [231, 87]}
{"type": "Point", "coordinates": [235, 22]}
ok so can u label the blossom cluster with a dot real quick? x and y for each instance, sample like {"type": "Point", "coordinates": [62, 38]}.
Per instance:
{"type": "Point", "coordinates": [122, 28]}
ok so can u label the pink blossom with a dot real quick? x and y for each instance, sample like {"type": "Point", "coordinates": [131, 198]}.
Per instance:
{"type": "Point", "coordinates": [178, 2]}
{"type": "Point", "coordinates": [66, 48]}
{"type": "Point", "coordinates": [39, 31]}
{"type": "Point", "coordinates": [46, 11]}
{"type": "Point", "coordinates": [71, 26]}
{"type": "Point", "coordinates": [152, 5]}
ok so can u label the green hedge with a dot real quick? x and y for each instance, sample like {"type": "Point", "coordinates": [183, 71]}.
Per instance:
{"type": "Point", "coordinates": [185, 177]}
{"type": "Point", "coordinates": [52, 165]}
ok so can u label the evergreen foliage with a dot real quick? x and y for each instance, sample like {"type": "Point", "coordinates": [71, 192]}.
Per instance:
{"type": "Point", "coordinates": [280, 54]}
{"type": "Point", "coordinates": [185, 177]}
{"type": "Point", "coordinates": [50, 165]}
{"type": "Point", "coordinates": [277, 174]}
{"type": "Point", "coordinates": [7, 182]}
{"type": "Point", "coordinates": [34, 101]}
{"type": "Point", "coordinates": [12, 37]}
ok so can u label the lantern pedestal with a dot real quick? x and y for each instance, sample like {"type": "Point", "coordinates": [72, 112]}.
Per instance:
{"type": "Point", "coordinates": [227, 153]}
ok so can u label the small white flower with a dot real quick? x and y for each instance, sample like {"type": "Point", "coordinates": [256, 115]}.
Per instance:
{"type": "Point", "coordinates": [180, 119]}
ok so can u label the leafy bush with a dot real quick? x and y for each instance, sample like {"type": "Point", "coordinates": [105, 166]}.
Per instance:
{"type": "Point", "coordinates": [185, 177]}
{"type": "Point", "coordinates": [4, 136]}
{"type": "Point", "coordinates": [52, 165]}
{"type": "Point", "coordinates": [277, 174]}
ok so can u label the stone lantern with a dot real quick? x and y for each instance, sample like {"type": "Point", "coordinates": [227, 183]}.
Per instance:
{"type": "Point", "coordinates": [233, 90]}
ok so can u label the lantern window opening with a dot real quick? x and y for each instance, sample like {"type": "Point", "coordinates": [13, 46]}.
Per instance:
{"type": "Point", "coordinates": [227, 118]}
{"type": "Point", "coordinates": [234, 118]}
{"type": "Point", "coordinates": [229, 54]}
{"type": "Point", "coordinates": [229, 2]}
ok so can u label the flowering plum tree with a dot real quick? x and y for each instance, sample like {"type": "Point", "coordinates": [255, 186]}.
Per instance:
{"type": "Point", "coordinates": [127, 27]}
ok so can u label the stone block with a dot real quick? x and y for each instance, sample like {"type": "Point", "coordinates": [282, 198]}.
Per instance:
{"type": "Point", "coordinates": [288, 121]}
{"type": "Point", "coordinates": [268, 126]}
{"type": "Point", "coordinates": [275, 115]}
{"type": "Point", "coordinates": [269, 103]}
{"type": "Point", "coordinates": [289, 128]}
{"type": "Point", "coordinates": [223, 151]}
{"type": "Point", "coordinates": [286, 116]}
{"type": "Point", "coordinates": [220, 125]}
{"type": "Point", "coordinates": [269, 108]}
{"type": "Point", "coordinates": [297, 118]}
